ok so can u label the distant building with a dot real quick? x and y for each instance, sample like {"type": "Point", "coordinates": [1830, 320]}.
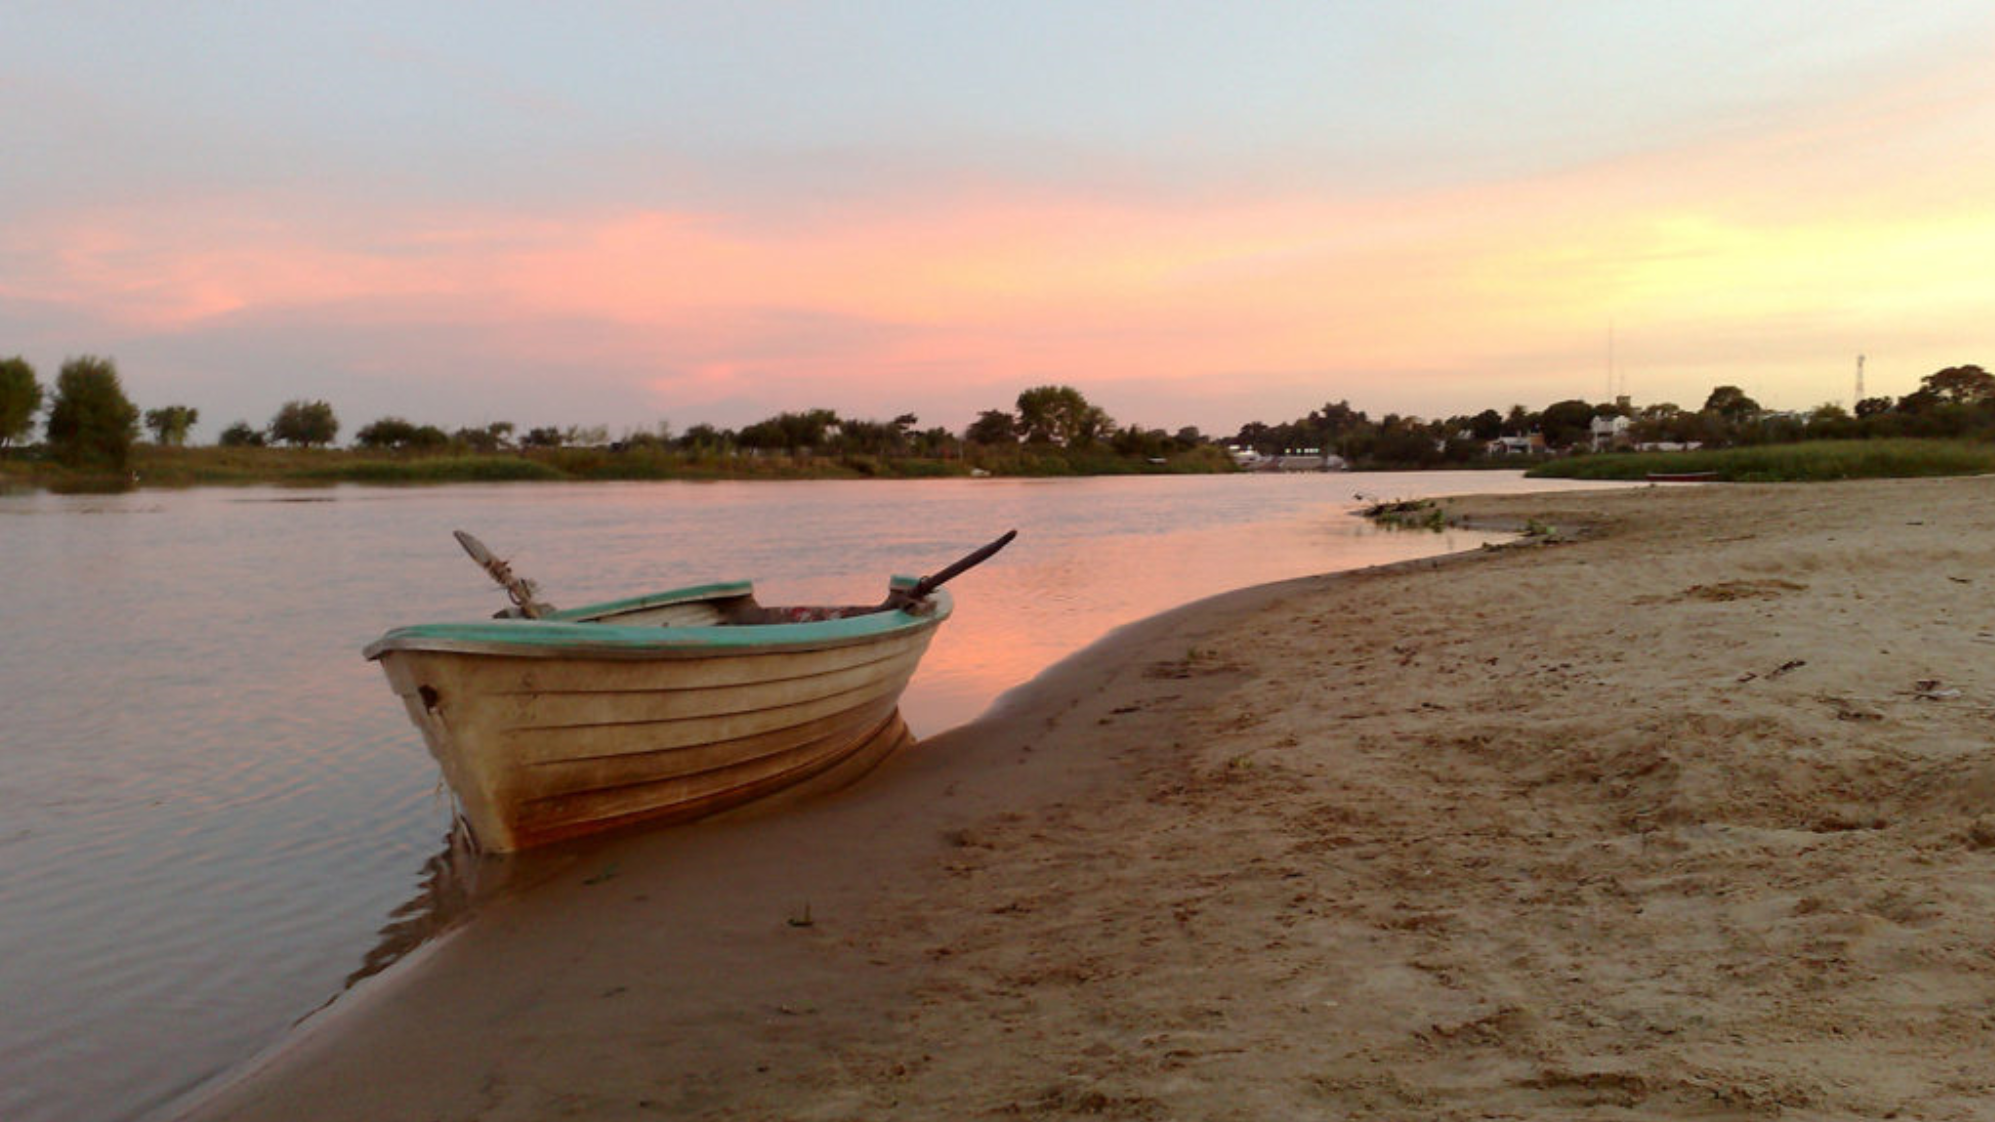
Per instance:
{"type": "Point", "coordinates": [1610, 432]}
{"type": "Point", "coordinates": [1309, 459]}
{"type": "Point", "coordinates": [1532, 444]}
{"type": "Point", "coordinates": [1293, 459]}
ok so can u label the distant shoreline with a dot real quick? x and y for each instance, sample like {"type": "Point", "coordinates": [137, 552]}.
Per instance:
{"type": "Point", "coordinates": [153, 466]}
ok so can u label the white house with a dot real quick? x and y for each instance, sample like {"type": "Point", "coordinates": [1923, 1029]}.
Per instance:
{"type": "Point", "coordinates": [1609, 432]}
{"type": "Point", "coordinates": [1531, 445]}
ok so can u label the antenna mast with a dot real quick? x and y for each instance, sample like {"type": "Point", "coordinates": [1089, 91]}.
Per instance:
{"type": "Point", "coordinates": [1859, 380]}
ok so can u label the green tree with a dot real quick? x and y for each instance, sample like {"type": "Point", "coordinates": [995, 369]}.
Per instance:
{"type": "Point", "coordinates": [1060, 415]}
{"type": "Point", "coordinates": [20, 399]}
{"type": "Point", "coordinates": [1657, 423]}
{"type": "Point", "coordinates": [1830, 421]}
{"type": "Point", "coordinates": [1335, 428]}
{"type": "Point", "coordinates": [1404, 441]}
{"type": "Point", "coordinates": [396, 433]}
{"type": "Point", "coordinates": [240, 435]}
{"type": "Point", "coordinates": [1960, 385]}
{"type": "Point", "coordinates": [1731, 403]}
{"type": "Point", "coordinates": [1565, 423]}
{"type": "Point", "coordinates": [1258, 436]}
{"type": "Point", "coordinates": [792, 432]}
{"type": "Point", "coordinates": [658, 438]}
{"type": "Point", "coordinates": [642, 441]}
{"type": "Point", "coordinates": [170, 424]}
{"type": "Point", "coordinates": [1729, 415]}
{"type": "Point", "coordinates": [936, 441]}
{"type": "Point", "coordinates": [91, 423]}
{"type": "Point", "coordinates": [1134, 440]}
{"type": "Point", "coordinates": [388, 432]}
{"type": "Point", "coordinates": [492, 438]}
{"type": "Point", "coordinates": [1921, 401]}
{"type": "Point", "coordinates": [304, 424]}
{"type": "Point", "coordinates": [868, 438]}
{"type": "Point", "coordinates": [705, 439]}
{"type": "Point", "coordinates": [993, 427]}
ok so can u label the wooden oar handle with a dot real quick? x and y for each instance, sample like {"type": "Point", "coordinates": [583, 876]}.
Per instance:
{"type": "Point", "coordinates": [926, 585]}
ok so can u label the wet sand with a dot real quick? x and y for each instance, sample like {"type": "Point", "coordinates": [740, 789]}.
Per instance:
{"type": "Point", "coordinates": [1690, 813]}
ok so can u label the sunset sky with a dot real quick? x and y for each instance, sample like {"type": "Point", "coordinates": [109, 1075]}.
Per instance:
{"type": "Point", "coordinates": [624, 214]}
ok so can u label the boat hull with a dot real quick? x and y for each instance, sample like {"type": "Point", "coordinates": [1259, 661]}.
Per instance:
{"type": "Point", "coordinates": [549, 731]}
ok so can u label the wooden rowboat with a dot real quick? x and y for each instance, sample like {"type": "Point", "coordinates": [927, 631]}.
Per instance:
{"type": "Point", "coordinates": [656, 708]}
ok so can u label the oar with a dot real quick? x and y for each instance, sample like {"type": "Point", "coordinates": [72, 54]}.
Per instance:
{"type": "Point", "coordinates": [929, 584]}
{"type": "Point", "coordinates": [520, 590]}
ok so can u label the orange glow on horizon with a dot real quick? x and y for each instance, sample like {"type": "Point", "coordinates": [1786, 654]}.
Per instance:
{"type": "Point", "coordinates": [1487, 279]}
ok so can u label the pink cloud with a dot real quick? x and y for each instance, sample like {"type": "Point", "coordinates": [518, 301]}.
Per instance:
{"type": "Point", "coordinates": [1426, 303]}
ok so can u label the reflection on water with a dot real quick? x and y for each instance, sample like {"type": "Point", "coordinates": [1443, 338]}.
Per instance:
{"type": "Point", "coordinates": [214, 814]}
{"type": "Point", "coordinates": [445, 887]}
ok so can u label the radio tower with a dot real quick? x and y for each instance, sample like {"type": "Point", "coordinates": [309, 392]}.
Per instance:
{"type": "Point", "coordinates": [1859, 379]}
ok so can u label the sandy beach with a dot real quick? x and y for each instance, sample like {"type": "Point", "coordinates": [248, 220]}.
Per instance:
{"type": "Point", "coordinates": [1688, 812]}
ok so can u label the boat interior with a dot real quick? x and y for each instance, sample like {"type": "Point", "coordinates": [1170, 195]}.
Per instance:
{"type": "Point", "coordinates": [720, 611]}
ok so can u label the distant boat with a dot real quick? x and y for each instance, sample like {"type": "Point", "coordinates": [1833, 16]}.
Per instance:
{"type": "Point", "coordinates": [656, 708]}
{"type": "Point", "coordinates": [1683, 477]}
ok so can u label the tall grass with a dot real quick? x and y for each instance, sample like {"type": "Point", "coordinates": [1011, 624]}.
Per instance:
{"type": "Point", "coordinates": [155, 466]}
{"type": "Point", "coordinates": [452, 469]}
{"type": "Point", "coordinates": [1808, 461]}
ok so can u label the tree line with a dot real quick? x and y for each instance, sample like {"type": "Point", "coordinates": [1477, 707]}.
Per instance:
{"type": "Point", "coordinates": [1957, 401]}
{"type": "Point", "coordinates": [91, 423]}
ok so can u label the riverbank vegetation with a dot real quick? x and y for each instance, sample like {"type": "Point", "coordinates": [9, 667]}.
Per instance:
{"type": "Point", "coordinates": [156, 465]}
{"type": "Point", "coordinates": [1946, 426]}
{"type": "Point", "coordinates": [1800, 461]}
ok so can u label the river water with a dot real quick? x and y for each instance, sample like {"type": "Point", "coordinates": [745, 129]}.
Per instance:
{"type": "Point", "coordinates": [213, 812]}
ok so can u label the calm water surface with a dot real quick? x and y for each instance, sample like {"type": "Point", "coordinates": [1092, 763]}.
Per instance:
{"type": "Point", "coordinates": [211, 808]}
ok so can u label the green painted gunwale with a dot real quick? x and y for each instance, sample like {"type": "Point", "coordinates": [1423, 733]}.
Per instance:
{"type": "Point", "coordinates": [564, 636]}
{"type": "Point", "coordinates": [723, 590]}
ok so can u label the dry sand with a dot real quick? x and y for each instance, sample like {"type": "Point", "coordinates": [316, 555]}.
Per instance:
{"type": "Point", "coordinates": [1690, 817]}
